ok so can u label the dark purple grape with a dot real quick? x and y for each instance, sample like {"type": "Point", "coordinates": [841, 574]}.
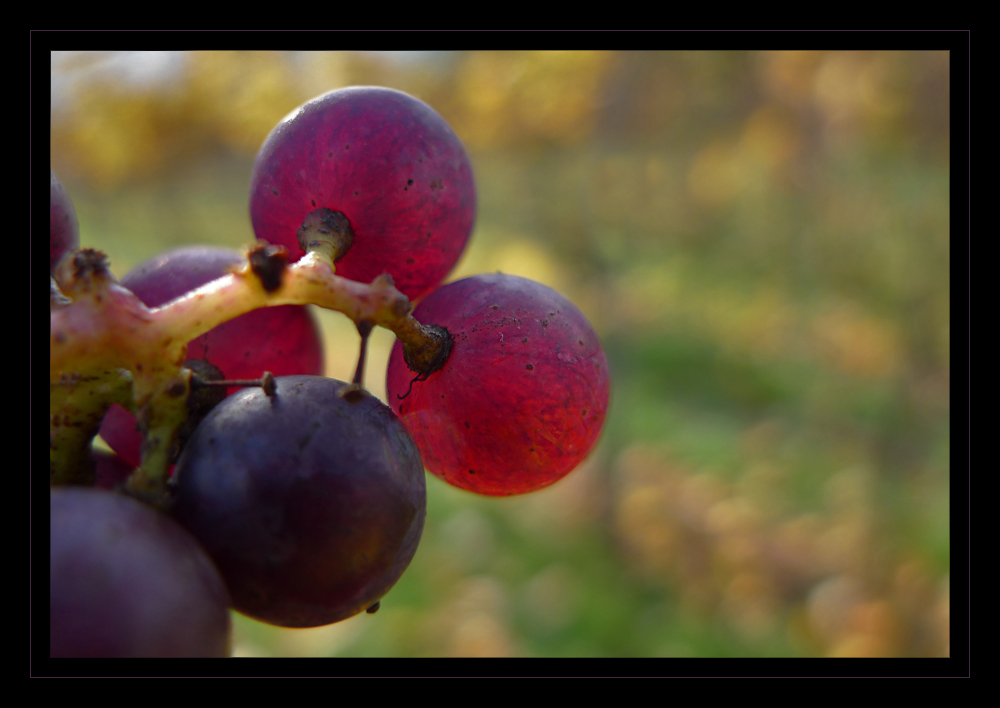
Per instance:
{"type": "Point", "coordinates": [310, 502]}
{"type": "Point", "coordinates": [128, 581]}
{"type": "Point", "coordinates": [522, 397]}
{"type": "Point", "coordinates": [386, 161]}
{"type": "Point", "coordinates": [64, 233]}
{"type": "Point", "coordinates": [283, 340]}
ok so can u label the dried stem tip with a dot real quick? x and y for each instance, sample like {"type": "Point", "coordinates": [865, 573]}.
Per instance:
{"type": "Point", "coordinates": [268, 263]}
{"type": "Point", "coordinates": [85, 271]}
{"type": "Point", "coordinates": [90, 263]}
{"type": "Point", "coordinates": [325, 229]}
{"type": "Point", "coordinates": [431, 352]}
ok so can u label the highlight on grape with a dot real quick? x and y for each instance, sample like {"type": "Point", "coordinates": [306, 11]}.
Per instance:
{"type": "Point", "coordinates": [251, 480]}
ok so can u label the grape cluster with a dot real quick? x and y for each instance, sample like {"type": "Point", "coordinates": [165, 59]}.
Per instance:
{"type": "Point", "coordinates": [243, 478]}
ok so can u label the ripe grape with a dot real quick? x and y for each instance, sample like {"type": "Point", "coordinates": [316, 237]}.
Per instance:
{"type": "Point", "coordinates": [386, 161]}
{"type": "Point", "coordinates": [283, 340]}
{"type": "Point", "coordinates": [64, 233]}
{"type": "Point", "coordinates": [128, 581]}
{"type": "Point", "coordinates": [521, 399]}
{"type": "Point", "coordinates": [310, 502]}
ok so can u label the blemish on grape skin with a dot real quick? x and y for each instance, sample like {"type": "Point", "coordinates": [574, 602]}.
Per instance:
{"type": "Point", "coordinates": [529, 367]}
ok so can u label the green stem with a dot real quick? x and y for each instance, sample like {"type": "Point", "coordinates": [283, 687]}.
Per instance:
{"type": "Point", "coordinates": [77, 405]}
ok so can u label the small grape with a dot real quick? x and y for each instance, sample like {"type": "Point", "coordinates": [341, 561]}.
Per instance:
{"type": "Point", "coordinates": [311, 502]}
{"type": "Point", "coordinates": [64, 233]}
{"type": "Point", "coordinates": [385, 161]}
{"type": "Point", "coordinates": [128, 581]}
{"type": "Point", "coordinates": [521, 399]}
{"type": "Point", "coordinates": [283, 340]}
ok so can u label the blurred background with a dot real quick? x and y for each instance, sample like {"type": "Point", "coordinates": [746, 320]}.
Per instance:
{"type": "Point", "coordinates": [762, 242]}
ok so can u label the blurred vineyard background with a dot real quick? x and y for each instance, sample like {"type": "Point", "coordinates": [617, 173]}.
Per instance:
{"type": "Point", "coordinates": [762, 242]}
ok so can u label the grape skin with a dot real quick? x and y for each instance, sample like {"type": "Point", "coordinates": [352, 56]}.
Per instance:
{"type": "Point", "coordinates": [311, 503]}
{"type": "Point", "coordinates": [127, 581]}
{"type": "Point", "coordinates": [283, 340]}
{"type": "Point", "coordinates": [385, 160]}
{"type": "Point", "coordinates": [522, 398]}
{"type": "Point", "coordinates": [64, 232]}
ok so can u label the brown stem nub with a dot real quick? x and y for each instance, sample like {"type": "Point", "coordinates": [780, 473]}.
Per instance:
{"type": "Point", "coordinates": [90, 263]}
{"type": "Point", "coordinates": [268, 383]}
{"type": "Point", "coordinates": [268, 263]}
{"type": "Point", "coordinates": [87, 270]}
{"type": "Point", "coordinates": [431, 353]}
{"type": "Point", "coordinates": [325, 228]}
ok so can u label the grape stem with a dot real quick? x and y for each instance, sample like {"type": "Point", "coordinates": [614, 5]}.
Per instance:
{"type": "Point", "coordinates": [364, 329]}
{"type": "Point", "coordinates": [105, 327]}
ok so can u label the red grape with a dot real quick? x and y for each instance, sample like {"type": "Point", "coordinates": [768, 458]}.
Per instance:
{"type": "Point", "coordinates": [64, 234]}
{"type": "Point", "coordinates": [386, 161]}
{"type": "Point", "coordinates": [520, 401]}
{"type": "Point", "coordinates": [283, 340]}
{"type": "Point", "coordinates": [311, 502]}
{"type": "Point", "coordinates": [128, 581]}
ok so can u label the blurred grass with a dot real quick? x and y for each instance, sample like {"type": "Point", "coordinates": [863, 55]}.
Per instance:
{"type": "Point", "coordinates": [762, 242]}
